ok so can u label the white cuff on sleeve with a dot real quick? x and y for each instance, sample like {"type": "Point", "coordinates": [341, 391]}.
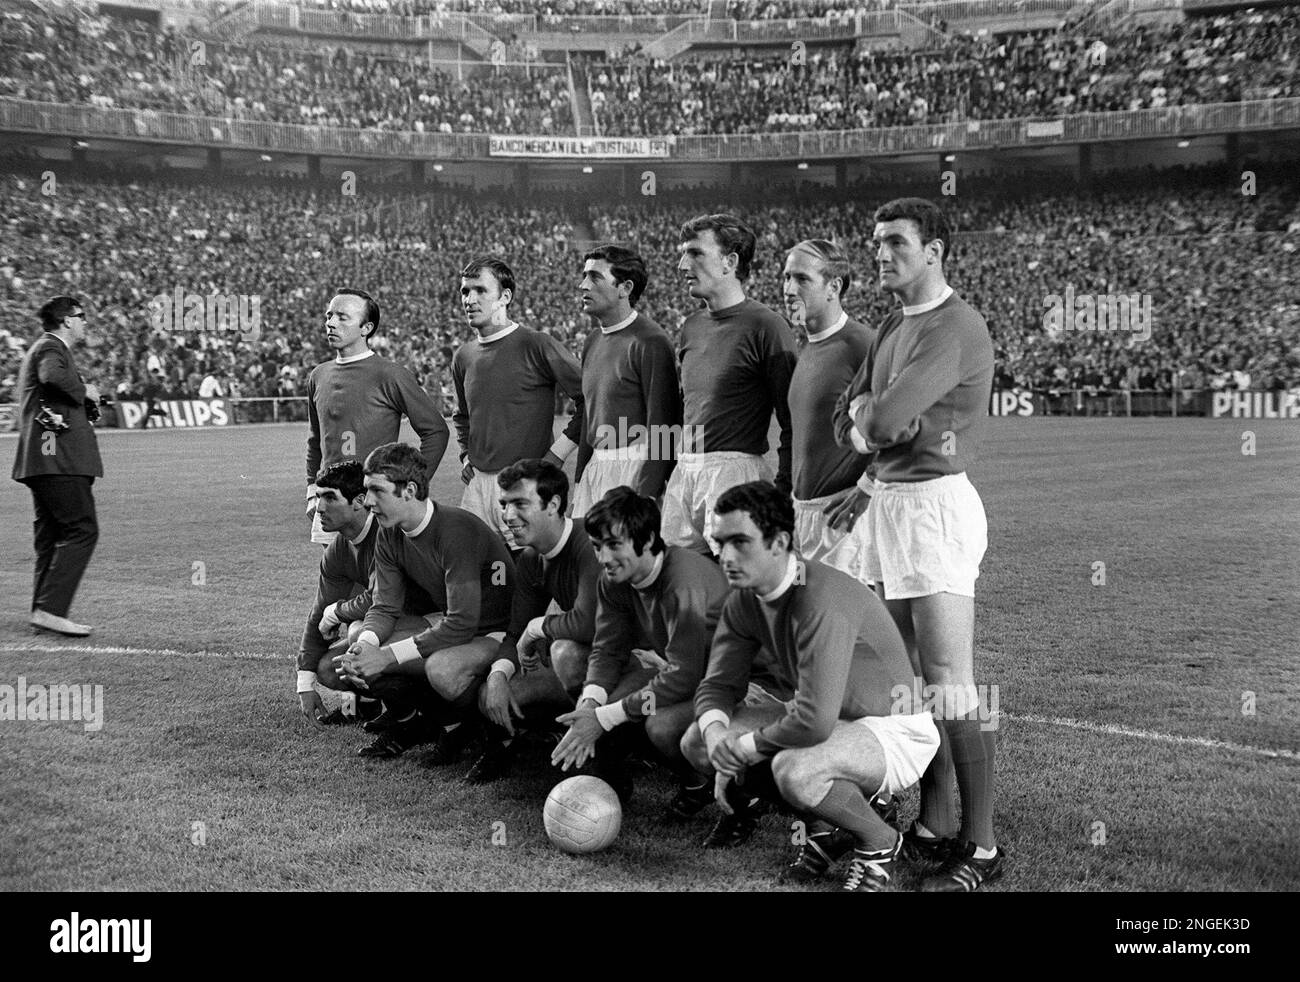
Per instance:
{"type": "Point", "coordinates": [859, 441]}
{"type": "Point", "coordinates": [505, 666]}
{"type": "Point", "coordinates": [866, 483]}
{"type": "Point", "coordinates": [370, 637]}
{"type": "Point", "coordinates": [749, 747]}
{"type": "Point", "coordinates": [405, 651]}
{"type": "Point", "coordinates": [594, 692]}
{"type": "Point", "coordinates": [306, 681]}
{"type": "Point", "coordinates": [612, 715]}
{"type": "Point", "coordinates": [534, 630]}
{"type": "Point", "coordinates": [713, 716]}
{"type": "Point", "coordinates": [312, 491]}
{"type": "Point", "coordinates": [563, 446]}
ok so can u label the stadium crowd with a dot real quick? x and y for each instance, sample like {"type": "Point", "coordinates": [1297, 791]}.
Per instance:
{"type": "Point", "coordinates": [1226, 58]}
{"type": "Point", "coordinates": [101, 61]}
{"type": "Point", "coordinates": [107, 62]}
{"type": "Point", "coordinates": [1218, 266]}
{"type": "Point", "coordinates": [541, 8]}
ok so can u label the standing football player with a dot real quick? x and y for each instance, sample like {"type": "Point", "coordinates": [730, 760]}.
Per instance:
{"type": "Point", "coordinates": [736, 358]}
{"type": "Point", "coordinates": [831, 483]}
{"type": "Point", "coordinates": [543, 659]}
{"type": "Point", "coordinates": [849, 734]}
{"type": "Point", "coordinates": [918, 402]}
{"type": "Point", "coordinates": [629, 382]}
{"type": "Point", "coordinates": [506, 377]}
{"type": "Point", "coordinates": [428, 681]}
{"type": "Point", "coordinates": [357, 401]}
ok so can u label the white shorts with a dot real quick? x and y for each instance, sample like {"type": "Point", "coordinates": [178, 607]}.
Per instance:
{"type": "Point", "coordinates": [318, 534]}
{"type": "Point", "coordinates": [607, 469]}
{"type": "Point", "coordinates": [697, 482]}
{"type": "Point", "coordinates": [909, 743]}
{"type": "Point", "coordinates": [927, 537]}
{"type": "Point", "coordinates": [815, 539]}
{"type": "Point", "coordinates": [482, 498]}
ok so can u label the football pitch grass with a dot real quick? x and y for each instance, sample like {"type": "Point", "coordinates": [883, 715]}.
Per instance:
{"type": "Point", "coordinates": [1147, 740]}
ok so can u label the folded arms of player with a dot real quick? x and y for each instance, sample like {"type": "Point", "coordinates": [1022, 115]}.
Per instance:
{"type": "Point", "coordinates": [870, 421]}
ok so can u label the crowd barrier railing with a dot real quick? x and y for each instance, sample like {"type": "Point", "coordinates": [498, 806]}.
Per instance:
{"type": "Point", "coordinates": [148, 125]}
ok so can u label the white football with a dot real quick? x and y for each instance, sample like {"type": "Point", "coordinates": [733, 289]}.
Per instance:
{"type": "Point", "coordinates": [582, 814]}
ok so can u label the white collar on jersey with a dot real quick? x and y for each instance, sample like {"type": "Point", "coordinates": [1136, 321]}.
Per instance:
{"type": "Point", "coordinates": [787, 581]}
{"type": "Point", "coordinates": [514, 326]}
{"type": "Point", "coordinates": [925, 308]}
{"type": "Point", "coordinates": [649, 581]}
{"type": "Point", "coordinates": [365, 530]}
{"type": "Point", "coordinates": [830, 331]}
{"type": "Point", "coordinates": [564, 541]}
{"type": "Point", "coordinates": [428, 517]}
{"type": "Point", "coordinates": [625, 322]}
{"type": "Point", "coordinates": [340, 360]}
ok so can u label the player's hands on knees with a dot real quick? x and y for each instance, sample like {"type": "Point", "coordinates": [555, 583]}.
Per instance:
{"type": "Point", "coordinates": [362, 663]}
{"type": "Point", "coordinates": [578, 745]}
{"type": "Point", "coordinates": [329, 621]}
{"type": "Point", "coordinates": [724, 753]}
{"type": "Point", "coordinates": [499, 702]}
{"type": "Point", "coordinates": [312, 706]}
{"type": "Point", "coordinates": [466, 472]}
{"type": "Point", "coordinates": [846, 509]}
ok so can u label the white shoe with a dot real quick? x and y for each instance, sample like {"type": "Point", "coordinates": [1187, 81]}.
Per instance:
{"type": "Point", "coordinates": [60, 625]}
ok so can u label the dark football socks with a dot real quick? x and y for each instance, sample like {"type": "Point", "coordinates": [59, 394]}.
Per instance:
{"type": "Point", "coordinates": [972, 756]}
{"type": "Point", "coordinates": [844, 806]}
{"type": "Point", "coordinates": [938, 809]}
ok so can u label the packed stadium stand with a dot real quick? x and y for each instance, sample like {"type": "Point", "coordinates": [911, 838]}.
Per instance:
{"type": "Point", "coordinates": [1219, 264]}
{"type": "Point", "coordinates": [102, 61]}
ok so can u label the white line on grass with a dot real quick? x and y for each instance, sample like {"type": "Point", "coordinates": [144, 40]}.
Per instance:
{"type": "Point", "coordinates": [90, 649]}
{"type": "Point", "coordinates": [1117, 730]}
{"type": "Point", "coordinates": [1112, 729]}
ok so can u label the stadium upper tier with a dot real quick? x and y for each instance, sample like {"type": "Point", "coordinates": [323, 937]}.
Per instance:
{"type": "Point", "coordinates": [1220, 269]}
{"type": "Point", "coordinates": [50, 55]}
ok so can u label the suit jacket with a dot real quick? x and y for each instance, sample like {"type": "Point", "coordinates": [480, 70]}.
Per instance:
{"type": "Point", "coordinates": [49, 374]}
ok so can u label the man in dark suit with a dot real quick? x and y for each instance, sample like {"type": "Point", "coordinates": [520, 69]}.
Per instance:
{"type": "Point", "coordinates": [58, 459]}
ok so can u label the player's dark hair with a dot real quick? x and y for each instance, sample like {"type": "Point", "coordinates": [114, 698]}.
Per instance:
{"type": "Point", "coordinates": [401, 463]}
{"type": "Point", "coordinates": [769, 509]}
{"type": "Point", "coordinates": [929, 220]}
{"type": "Point", "coordinates": [732, 234]}
{"type": "Point", "coordinates": [551, 482]}
{"type": "Point", "coordinates": [372, 308]}
{"type": "Point", "coordinates": [634, 515]}
{"type": "Point", "coordinates": [346, 477]}
{"type": "Point", "coordinates": [495, 265]}
{"type": "Point", "coordinates": [833, 260]}
{"type": "Point", "coordinates": [56, 310]}
{"type": "Point", "coordinates": [625, 265]}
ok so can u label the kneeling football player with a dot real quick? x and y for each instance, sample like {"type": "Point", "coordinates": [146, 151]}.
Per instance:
{"type": "Point", "coordinates": [428, 680]}
{"type": "Point", "coordinates": [847, 735]}
{"type": "Point", "coordinates": [542, 662]}
{"type": "Point", "coordinates": [342, 592]}
{"type": "Point", "coordinates": [668, 595]}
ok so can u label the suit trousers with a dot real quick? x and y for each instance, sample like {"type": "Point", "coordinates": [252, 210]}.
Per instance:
{"type": "Point", "coordinates": [65, 535]}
